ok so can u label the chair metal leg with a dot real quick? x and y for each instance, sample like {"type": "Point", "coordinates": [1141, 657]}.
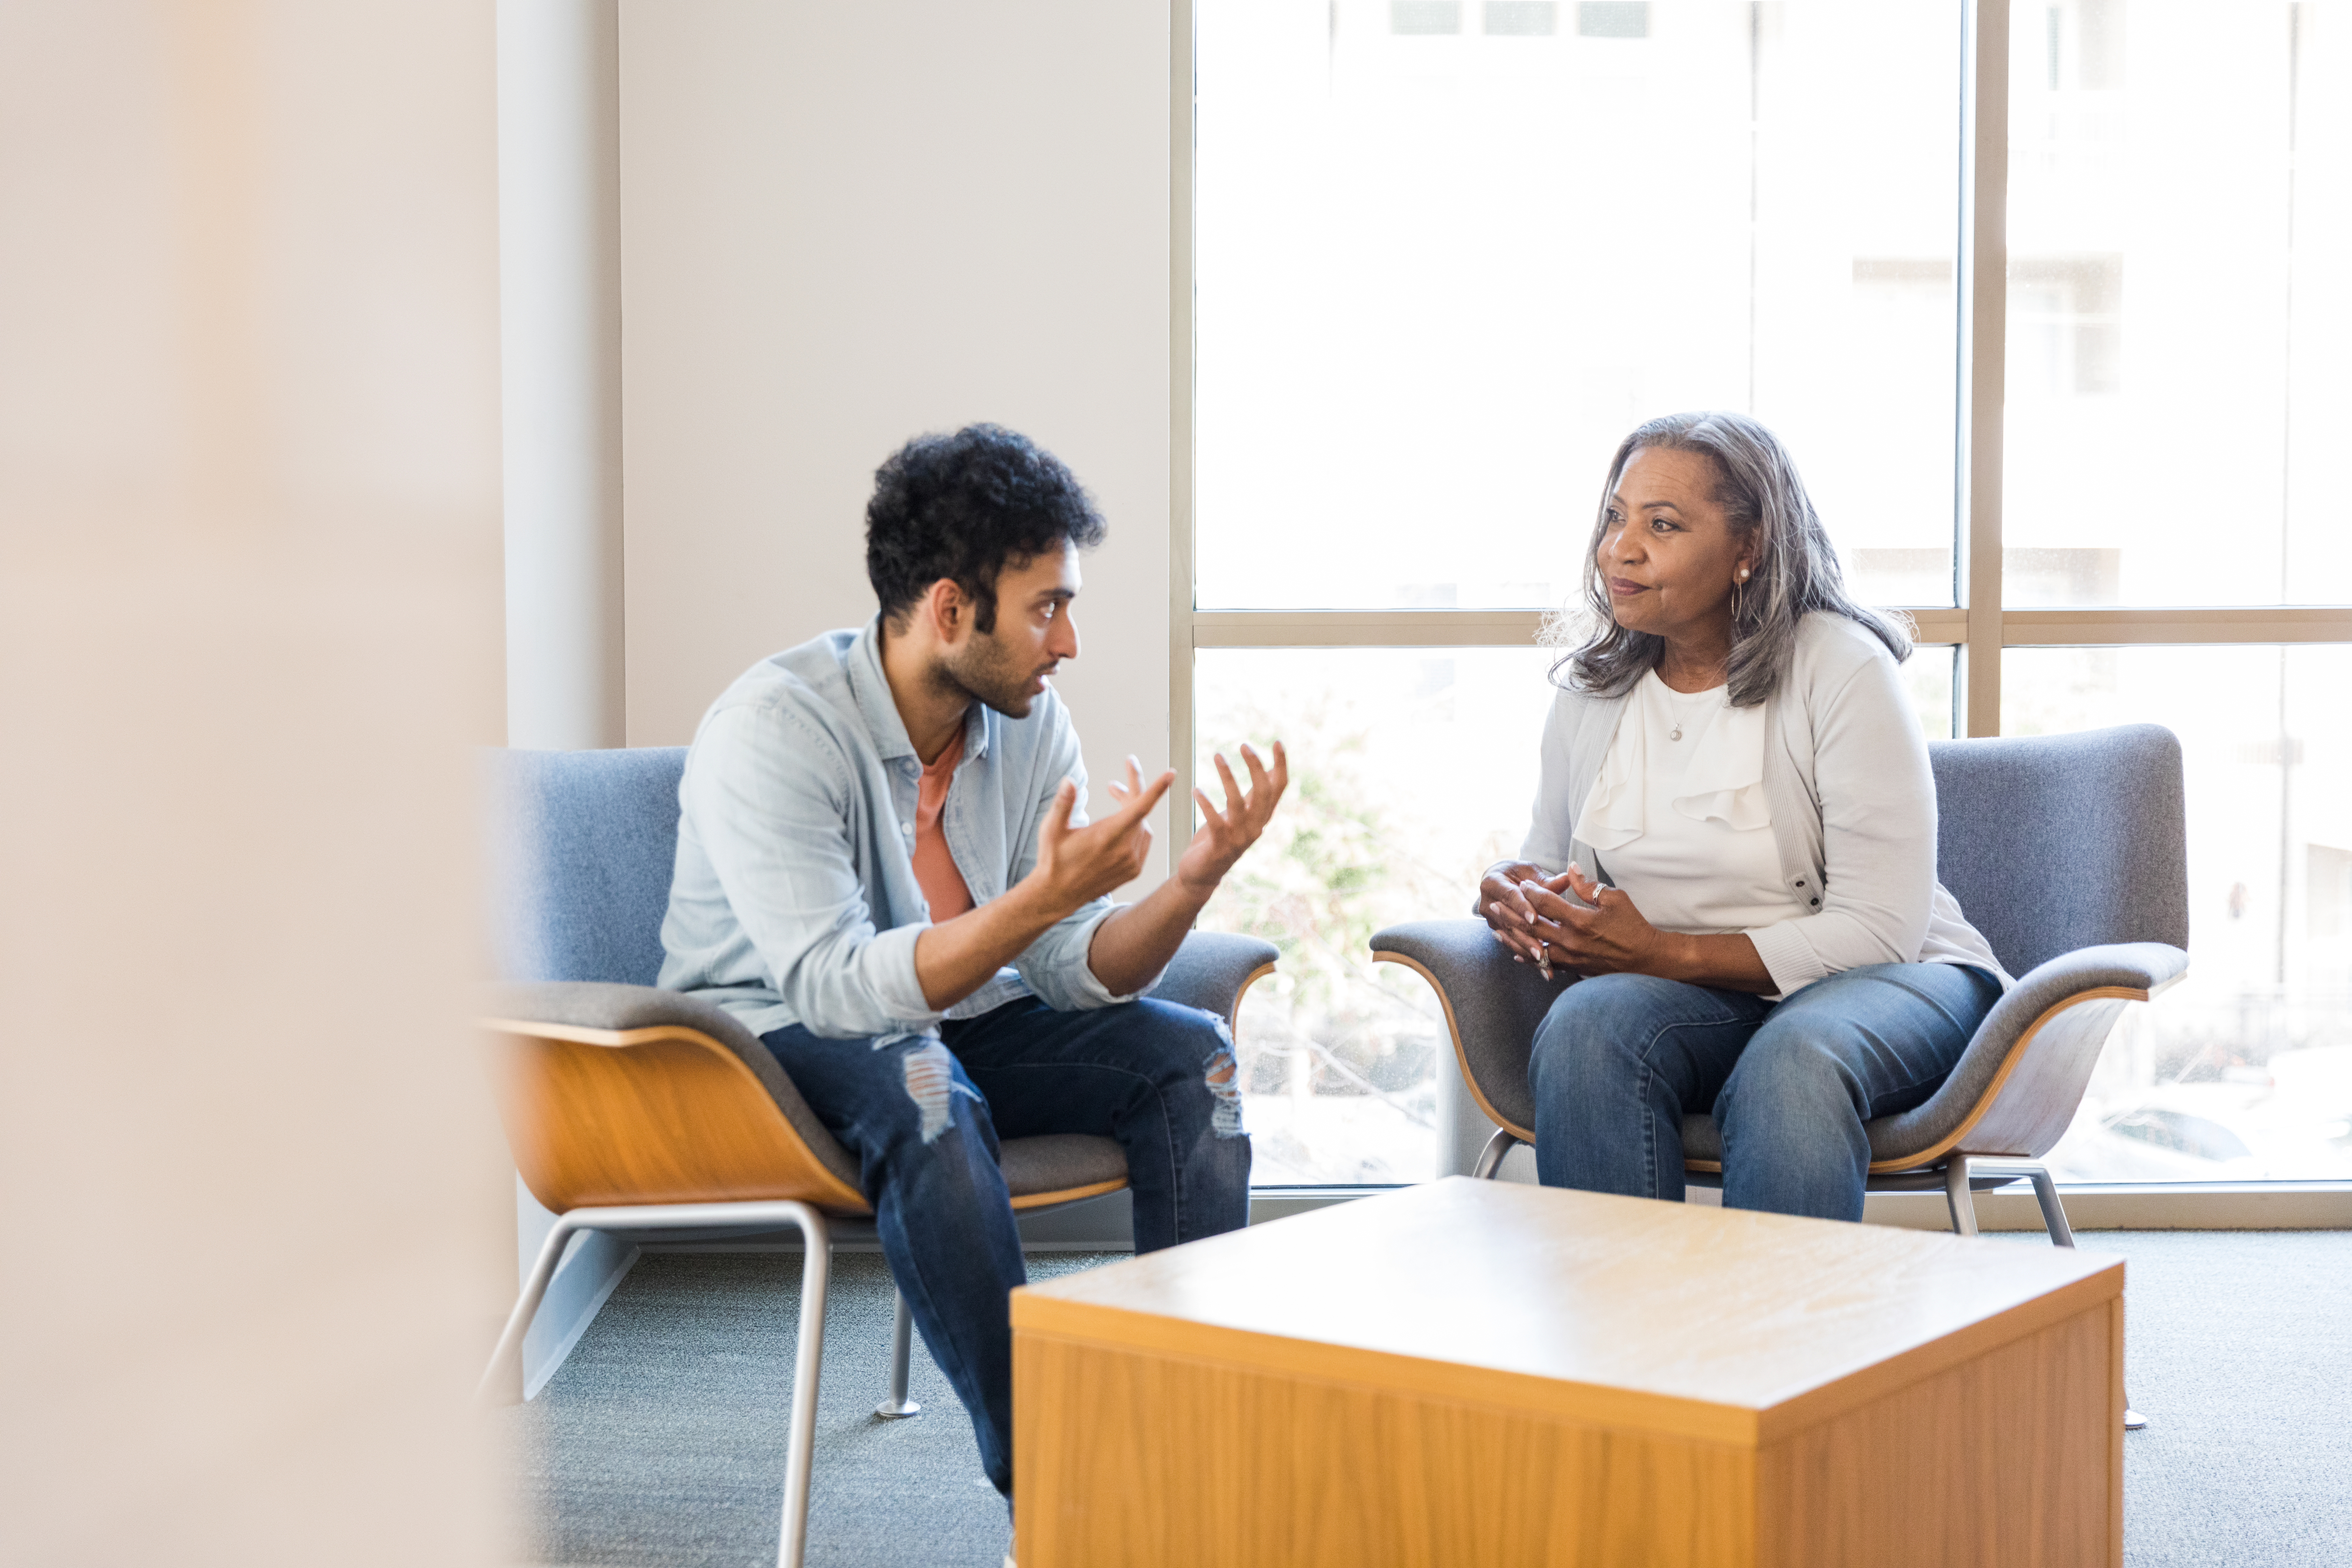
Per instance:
{"type": "Point", "coordinates": [505, 1373]}
{"type": "Point", "coordinates": [2045, 1193]}
{"type": "Point", "coordinates": [2053, 1213]}
{"type": "Point", "coordinates": [502, 1379]}
{"type": "Point", "coordinates": [1956, 1197]}
{"type": "Point", "coordinates": [897, 1408]}
{"type": "Point", "coordinates": [1490, 1158]}
{"type": "Point", "coordinates": [816, 1271]}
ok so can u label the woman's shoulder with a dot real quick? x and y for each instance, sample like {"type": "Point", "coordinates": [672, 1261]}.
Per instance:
{"type": "Point", "coordinates": [1577, 720]}
{"type": "Point", "coordinates": [1575, 704]}
{"type": "Point", "coordinates": [1830, 647]}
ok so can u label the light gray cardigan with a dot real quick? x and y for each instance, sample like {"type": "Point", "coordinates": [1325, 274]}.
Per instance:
{"type": "Point", "coordinates": [1852, 803]}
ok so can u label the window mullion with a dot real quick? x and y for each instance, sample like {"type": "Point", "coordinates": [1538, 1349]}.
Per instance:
{"type": "Point", "coordinates": [1983, 343]}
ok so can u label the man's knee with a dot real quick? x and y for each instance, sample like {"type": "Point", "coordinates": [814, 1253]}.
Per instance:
{"type": "Point", "coordinates": [913, 1090]}
{"type": "Point", "coordinates": [1190, 1053]}
{"type": "Point", "coordinates": [928, 1071]}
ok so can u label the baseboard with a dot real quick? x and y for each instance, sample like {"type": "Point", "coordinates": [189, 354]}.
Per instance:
{"type": "Point", "coordinates": [2245, 1205]}
{"type": "Point", "coordinates": [2250, 1205]}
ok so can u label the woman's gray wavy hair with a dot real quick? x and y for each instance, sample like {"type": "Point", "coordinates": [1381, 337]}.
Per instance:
{"type": "Point", "coordinates": [1795, 572]}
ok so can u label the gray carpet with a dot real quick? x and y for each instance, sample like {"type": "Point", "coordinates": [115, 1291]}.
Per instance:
{"type": "Point", "coordinates": [662, 1440]}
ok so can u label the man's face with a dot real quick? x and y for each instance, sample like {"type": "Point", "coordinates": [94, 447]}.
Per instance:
{"type": "Point", "coordinates": [1006, 668]}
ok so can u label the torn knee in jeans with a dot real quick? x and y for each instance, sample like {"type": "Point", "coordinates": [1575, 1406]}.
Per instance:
{"type": "Point", "coordinates": [1224, 1076]}
{"type": "Point", "coordinates": [931, 1084]}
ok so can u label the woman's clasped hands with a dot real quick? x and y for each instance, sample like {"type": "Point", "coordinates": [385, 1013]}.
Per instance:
{"type": "Point", "coordinates": [1566, 922]}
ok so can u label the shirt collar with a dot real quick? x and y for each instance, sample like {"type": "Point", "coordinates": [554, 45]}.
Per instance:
{"type": "Point", "coordinates": [871, 689]}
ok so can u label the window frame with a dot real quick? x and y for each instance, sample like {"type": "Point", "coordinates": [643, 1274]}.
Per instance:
{"type": "Point", "coordinates": [1978, 625]}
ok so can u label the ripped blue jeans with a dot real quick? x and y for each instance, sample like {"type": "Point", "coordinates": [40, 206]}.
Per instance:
{"type": "Point", "coordinates": [923, 1123]}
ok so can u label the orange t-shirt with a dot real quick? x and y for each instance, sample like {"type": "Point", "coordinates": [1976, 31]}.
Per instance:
{"type": "Point", "coordinates": [935, 868]}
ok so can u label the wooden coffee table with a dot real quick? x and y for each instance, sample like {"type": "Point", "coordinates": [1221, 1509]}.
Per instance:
{"type": "Point", "coordinates": [1480, 1372]}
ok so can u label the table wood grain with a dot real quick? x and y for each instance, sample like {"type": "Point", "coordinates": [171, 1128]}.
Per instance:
{"type": "Point", "coordinates": [1489, 1372]}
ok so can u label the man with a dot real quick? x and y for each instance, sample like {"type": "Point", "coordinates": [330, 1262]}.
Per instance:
{"type": "Point", "coordinates": [885, 869]}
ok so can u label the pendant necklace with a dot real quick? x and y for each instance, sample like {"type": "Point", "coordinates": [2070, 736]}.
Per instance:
{"type": "Point", "coordinates": [1676, 733]}
{"type": "Point", "coordinates": [1672, 707]}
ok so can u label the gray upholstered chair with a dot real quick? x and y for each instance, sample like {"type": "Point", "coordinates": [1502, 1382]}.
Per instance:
{"type": "Point", "coordinates": [2068, 852]}
{"type": "Point", "coordinates": [632, 1110]}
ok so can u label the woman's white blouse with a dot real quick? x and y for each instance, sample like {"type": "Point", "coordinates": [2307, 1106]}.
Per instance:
{"type": "Point", "coordinates": [1678, 817]}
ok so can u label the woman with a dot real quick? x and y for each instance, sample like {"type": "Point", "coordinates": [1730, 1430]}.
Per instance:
{"type": "Point", "coordinates": [1735, 846]}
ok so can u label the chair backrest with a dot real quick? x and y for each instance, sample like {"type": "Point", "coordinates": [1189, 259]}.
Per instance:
{"type": "Point", "coordinates": [2057, 842]}
{"type": "Point", "coordinates": [584, 843]}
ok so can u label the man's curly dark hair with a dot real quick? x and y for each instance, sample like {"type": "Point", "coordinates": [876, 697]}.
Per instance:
{"type": "Point", "coordinates": [964, 506]}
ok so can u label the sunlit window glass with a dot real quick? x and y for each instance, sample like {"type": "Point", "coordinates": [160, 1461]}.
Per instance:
{"type": "Point", "coordinates": [1412, 770]}
{"type": "Point", "coordinates": [2179, 364]}
{"type": "Point", "coordinates": [1449, 252]}
{"type": "Point", "coordinates": [1929, 675]}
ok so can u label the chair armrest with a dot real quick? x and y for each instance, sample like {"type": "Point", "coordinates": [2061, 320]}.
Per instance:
{"type": "Point", "coordinates": [1212, 969]}
{"type": "Point", "coordinates": [2018, 1085]}
{"type": "Point", "coordinates": [2149, 966]}
{"type": "Point", "coordinates": [2139, 969]}
{"type": "Point", "coordinates": [1492, 1008]}
{"type": "Point", "coordinates": [599, 1007]}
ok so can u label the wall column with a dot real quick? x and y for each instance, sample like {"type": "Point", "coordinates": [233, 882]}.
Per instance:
{"type": "Point", "coordinates": [560, 315]}
{"type": "Point", "coordinates": [560, 351]}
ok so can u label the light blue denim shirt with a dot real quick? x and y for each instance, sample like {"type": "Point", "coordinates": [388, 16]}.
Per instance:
{"type": "Point", "coordinates": [795, 898]}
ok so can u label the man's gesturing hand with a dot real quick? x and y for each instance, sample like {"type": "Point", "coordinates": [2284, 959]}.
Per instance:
{"type": "Point", "coordinates": [1078, 864]}
{"type": "Point", "coordinates": [1134, 944]}
{"type": "Point", "coordinates": [1225, 835]}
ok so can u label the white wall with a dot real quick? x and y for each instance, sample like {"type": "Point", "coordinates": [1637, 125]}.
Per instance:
{"type": "Point", "coordinates": [847, 223]}
{"type": "Point", "coordinates": [257, 1238]}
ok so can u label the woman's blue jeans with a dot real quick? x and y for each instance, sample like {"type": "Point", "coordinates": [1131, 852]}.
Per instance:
{"type": "Point", "coordinates": [1621, 1058]}
{"type": "Point", "coordinates": [923, 1119]}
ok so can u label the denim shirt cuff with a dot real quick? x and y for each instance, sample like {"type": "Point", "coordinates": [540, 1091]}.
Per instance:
{"type": "Point", "coordinates": [890, 960]}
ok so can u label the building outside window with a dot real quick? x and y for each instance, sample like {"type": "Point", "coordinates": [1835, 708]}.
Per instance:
{"type": "Point", "coordinates": [1445, 256]}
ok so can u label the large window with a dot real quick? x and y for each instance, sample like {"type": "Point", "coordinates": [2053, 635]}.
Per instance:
{"type": "Point", "coordinates": [2053, 303]}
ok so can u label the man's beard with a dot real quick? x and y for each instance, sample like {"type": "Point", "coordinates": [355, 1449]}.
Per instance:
{"type": "Point", "coordinates": [990, 673]}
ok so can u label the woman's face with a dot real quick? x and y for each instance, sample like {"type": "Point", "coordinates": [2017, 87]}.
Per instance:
{"type": "Point", "coordinates": [1668, 554]}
